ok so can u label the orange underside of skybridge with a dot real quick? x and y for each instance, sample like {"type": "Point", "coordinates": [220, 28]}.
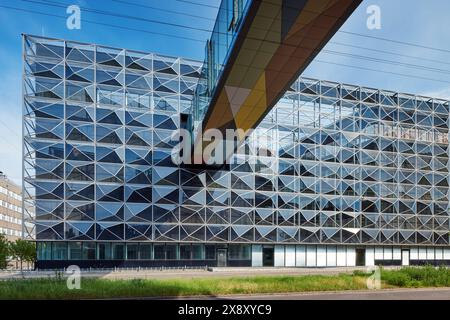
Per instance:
{"type": "Point", "coordinates": [278, 40]}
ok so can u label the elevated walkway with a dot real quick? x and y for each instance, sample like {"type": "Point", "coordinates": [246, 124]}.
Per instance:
{"type": "Point", "coordinates": [271, 46]}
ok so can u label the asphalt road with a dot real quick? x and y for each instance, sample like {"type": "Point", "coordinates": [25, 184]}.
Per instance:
{"type": "Point", "coordinates": [396, 294]}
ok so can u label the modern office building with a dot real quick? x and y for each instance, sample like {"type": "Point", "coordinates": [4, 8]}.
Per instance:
{"type": "Point", "coordinates": [10, 208]}
{"type": "Point", "coordinates": [353, 175]}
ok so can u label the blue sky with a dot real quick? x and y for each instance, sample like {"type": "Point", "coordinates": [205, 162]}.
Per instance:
{"type": "Point", "coordinates": [414, 21]}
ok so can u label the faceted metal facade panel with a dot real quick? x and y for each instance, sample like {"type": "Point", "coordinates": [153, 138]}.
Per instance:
{"type": "Point", "coordinates": [346, 165]}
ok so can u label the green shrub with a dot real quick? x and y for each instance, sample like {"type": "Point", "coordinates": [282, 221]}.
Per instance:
{"type": "Point", "coordinates": [427, 276]}
{"type": "Point", "coordinates": [4, 251]}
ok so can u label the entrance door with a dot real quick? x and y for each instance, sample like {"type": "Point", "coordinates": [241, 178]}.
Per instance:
{"type": "Point", "coordinates": [268, 257]}
{"type": "Point", "coordinates": [221, 257]}
{"type": "Point", "coordinates": [360, 257]}
{"type": "Point", "coordinates": [405, 257]}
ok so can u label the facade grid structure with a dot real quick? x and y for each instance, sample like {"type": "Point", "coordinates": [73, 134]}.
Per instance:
{"type": "Point", "coordinates": [351, 175]}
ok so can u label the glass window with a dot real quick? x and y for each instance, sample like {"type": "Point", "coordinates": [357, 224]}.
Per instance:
{"type": "Point", "coordinates": [160, 253]}
{"type": "Point", "coordinates": [171, 252]}
{"type": "Point", "coordinates": [60, 251]}
{"type": "Point", "coordinates": [74, 250]}
{"type": "Point", "coordinates": [132, 251]}
{"type": "Point", "coordinates": [185, 252]}
{"type": "Point", "coordinates": [239, 252]}
{"type": "Point", "coordinates": [233, 13]}
{"type": "Point", "coordinates": [118, 250]}
{"type": "Point", "coordinates": [104, 251]}
{"type": "Point", "coordinates": [44, 251]}
{"type": "Point", "coordinates": [88, 251]}
{"type": "Point", "coordinates": [210, 252]}
{"type": "Point", "coordinates": [198, 252]}
{"type": "Point", "coordinates": [145, 251]}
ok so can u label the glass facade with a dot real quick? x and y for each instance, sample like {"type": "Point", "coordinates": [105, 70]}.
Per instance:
{"type": "Point", "coordinates": [217, 51]}
{"type": "Point", "coordinates": [345, 165]}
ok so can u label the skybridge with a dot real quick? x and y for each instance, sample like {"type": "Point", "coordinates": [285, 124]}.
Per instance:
{"type": "Point", "coordinates": [257, 50]}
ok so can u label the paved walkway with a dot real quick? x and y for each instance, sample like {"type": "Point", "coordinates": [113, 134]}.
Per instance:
{"type": "Point", "coordinates": [182, 274]}
{"type": "Point", "coordinates": [394, 294]}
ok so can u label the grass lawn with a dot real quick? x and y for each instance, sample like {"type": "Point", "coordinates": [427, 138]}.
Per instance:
{"type": "Point", "coordinates": [100, 288]}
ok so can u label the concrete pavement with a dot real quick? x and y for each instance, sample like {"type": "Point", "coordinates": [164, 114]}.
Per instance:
{"type": "Point", "coordinates": [388, 294]}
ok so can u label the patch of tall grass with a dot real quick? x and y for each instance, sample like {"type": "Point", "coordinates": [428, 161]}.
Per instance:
{"type": "Point", "coordinates": [417, 277]}
{"type": "Point", "coordinates": [101, 288]}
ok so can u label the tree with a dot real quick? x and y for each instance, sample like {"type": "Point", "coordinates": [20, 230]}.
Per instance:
{"type": "Point", "coordinates": [24, 251]}
{"type": "Point", "coordinates": [4, 252]}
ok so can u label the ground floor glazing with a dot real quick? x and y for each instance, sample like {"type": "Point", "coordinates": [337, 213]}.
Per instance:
{"type": "Point", "coordinates": [132, 254]}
